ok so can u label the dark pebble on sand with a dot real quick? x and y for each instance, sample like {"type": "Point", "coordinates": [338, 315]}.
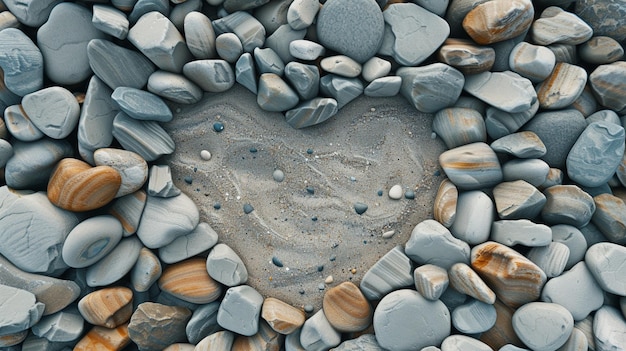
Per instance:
{"type": "Point", "coordinates": [380, 193]}
{"type": "Point", "coordinates": [360, 208]}
{"type": "Point", "coordinates": [409, 194]}
{"type": "Point", "coordinates": [188, 179]}
{"type": "Point", "coordinates": [218, 126]}
{"type": "Point", "coordinates": [277, 262]}
{"type": "Point", "coordinates": [309, 151]}
{"type": "Point", "coordinates": [253, 149]}
{"type": "Point", "coordinates": [320, 268]}
{"type": "Point", "coordinates": [247, 208]}
{"type": "Point", "coordinates": [310, 190]}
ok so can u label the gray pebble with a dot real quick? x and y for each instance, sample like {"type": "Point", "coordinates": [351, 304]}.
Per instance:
{"type": "Point", "coordinates": [16, 48]}
{"type": "Point", "coordinates": [116, 264]}
{"type": "Point", "coordinates": [559, 26]}
{"type": "Point", "coordinates": [221, 340]}
{"type": "Point", "coordinates": [608, 116]}
{"type": "Point", "coordinates": [518, 200]}
{"type": "Point", "coordinates": [304, 79]}
{"type": "Point", "coordinates": [248, 29]}
{"type": "Point", "coordinates": [228, 47]}
{"type": "Point", "coordinates": [472, 166]}
{"type": "Point", "coordinates": [500, 123]}
{"type": "Point", "coordinates": [281, 39]}
{"type": "Point", "coordinates": [160, 182]}
{"type": "Point", "coordinates": [543, 326]}
{"type": "Point", "coordinates": [95, 123]}
{"type": "Point", "coordinates": [463, 343]}
{"type": "Point", "coordinates": [203, 322]}
{"type": "Point", "coordinates": [474, 317]}
{"type": "Point", "coordinates": [240, 310]}
{"type": "Point", "coordinates": [533, 171]}
{"type": "Point", "coordinates": [118, 66]}
{"type": "Point", "coordinates": [306, 49]}
{"type": "Point", "coordinates": [62, 326]}
{"type": "Point", "coordinates": [601, 50]}
{"type": "Point", "coordinates": [567, 204]}
{"type": "Point", "coordinates": [110, 20]}
{"type": "Point", "coordinates": [592, 234]}
{"type": "Point", "coordinates": [132, 168]}
{"type": "Point", "coordinates": [174, 87]}
{"type": "Point", "coordinates": [610, 217]}
{"type": "Point", "coordinates": [19, 125]}
{"type": "Point", "coordinates": [360, 208]}
{"type": "Point", "coordinates": [551, 258]}
{"type": "Point", "coordinates": [32, 163]}
{"type": "Point", "coordinates": [225, 266]}
{"type": "Point", "coordinates": [375, 67]}
{"type": "Point", "coordinates": [247, 208]}
{"type": "Point", "coordinates": [342, 89]}
{"type": "Point", "coordinates": [383, 87]}
{"type": "Point", "coordinates": [53, 110]}
{"type": "Point", "coordinates": [201, 239]}
{"type": "Point", "coordinates": [474, 215]}
{"type": "Point", "coordinates": [399, 322]}
{"type": "Point", "coordinates": [532, 61]}
{"type": "Point", "coordinates": [447, 121]}
{"type": "Point", "coordinates": [20, 310]}
{"type": "Point", "coordinates": [32, 13]}
{"type": "Point", "coordinates": [301, 13]}
{"type": "Point", "coordinates": [165, 219]}
{"type": "Point", "coordinates": [609, 329]}
{"type": "Point", "coordinates": [274, 94]}
{"type": "Point", "coordinates": [555, 177]}
{"type": "Point", "coordinates": [146, 271]}
{"type": "Point", "coordinates": [181, 10]}
{"type": "Point", "coordinates": [341, 65]}
{"type": "Point", "coordinates": [520, 232]}
{"type": "Point", "coordinates": [573, 239]}
{"type": "Point", "coordinates": [606, 262]}
{"type": "Point", "coordinates": [146, 138]}
{"type": "Point", "coordinates": [143, 7]}
{"type": "Point", "coordinates": [91, 240]}
{"type": "Point", "coordinates": [214, 76]}
{"type": "Point", "coordinates": [6, 151]}
{"type": "Point", "coordinates": [430, 281]}
{"type": "Point", "coordinates": [245, 72]}
{"type": "Point", "coordinates": [318, 334]}
{"type": "Point", "coordinates": [432, 87]}
{"type": "Point", "coordinates": [278, 175]}
{"type": "Point", "coordinates": [365, 342]}
{"type": "Point", "coordinates": [392, 271]}
{"type": "Point", "coordinates": [496, 88]}
{"type": "Point", "coordinates": [432, 243]}
{"type": "Point", "coordinates": [142, 105]}
{"type": "Point", "coordinates": [605, 83]}
{"type": "Point", "coordinates": [311, 112]}
{"type": "Point", "coordinates": [199, 35]}
{"type": "Point", "coordinates": [564, 53]}
{"type": "Point", "coordinates": [522, 145]}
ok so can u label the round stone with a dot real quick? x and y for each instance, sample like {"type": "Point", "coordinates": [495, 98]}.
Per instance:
{"type": "Point", "coordinates": [91, 240]}
{"type": "Point", "coordinates": [354, 28]}
{"type": "Point", "coordinates": [543, 326]}
{"type": "Point", "coordinates": [395, 192]}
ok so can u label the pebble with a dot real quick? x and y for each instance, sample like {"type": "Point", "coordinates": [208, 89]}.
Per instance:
{"type": "Point", "coordinates": [605, 261]}
{"type": "Point", "coordinates": [19, 125]}
{"type": "Point", "coordinates": [306, 50]}
{"type": "Point", "coordinates": [495, 88]}
{"type": "Point", "coordinates": [444, 206]}
{"type": "Point", "coordinates": [32, 163]}
{"type": "Point", "coordinates": [201, 239]}
{"type": "Point", "coordinates": [218, 127]}
{"type": "Point", "coordinates": [110, 20]}
{"type": "Point", "coordinates": [490, 22]}
{"type": "Point", "coordinates": [609, 329]}
{"type": "Point", "coordinates": [108, 307]}
{"type": "Point", "coordinates": [115, 264]}
{"type": "Point", "coordinates": [576, 341]}
{"type": "Point", "coordinates": [221, 340]}
{"type": "Point", "coordinates": [395, 192]}
{"type": "Point", "coordinates": [128, 209]}
{"type": "Point", "coordinates": [557, 26]}
{"type": "Point", "coordinates": [533, 171]}
{"type": "Point", "coordinates": [311, 112]}
{"type": "Point", "coordinates": [248, 29]}
{"type": "Point", "coordinates": [228, 47]}
{"type": "Point", "coordinates": [518, 200]}
{"type": "Point", "coordinates": [189, 281]}
{"type": "Point", "coordinates": [63, 326]}
{"type": "Point", "coordinates": [318, 334]}
{"type": "Point", "coordinates": [225, 266]}
{"type": "Point", "coordinates": [466, 281]}
{"type": "Point", "coordinates": [609, 217]}
{"type": "Point", "coordinates": [160, 183]}
{"type": "Point", "coordinates": [143, 7]}
{"type": "Point", "coordinates": [278, 175]}
{"type": "Point", "coordinates": [54, 111]}
{"type": "Point", "coordinates": [245, 72]}
{"type": "Point", "coordinates": [399, 325]}
{"type": "Point", "coordinates": [15, 48]}
{"type": "Point", "coordinates": [424, 86]}
{"type": "Point", "coordinates": [564, 85]}
{"type": "Point", "coordinates": [472, 166]}
{"type": "Point", "coordinates": [240, 310]}
{"type": "Point", "coordinates": [466, 56]}
{"type": "Point", "coordinates": [524, 144]}
{"type": "Point", "coordinates": [117, 66]}
{"type": "Point", "coordinates": [600, 50]}
{"type": "Point", "coordinates": [342, 89]}
{"type": "Point", "coordinates": [542, 325]}
{"type": "Point", "coordinates": [341, 65]}
{"type": "Point", "coordinates": [282, 317]}
{"type": "Point", "coordinates": [146, 271]}
{"type": "Point", "coordinates": [515, 279]}
{"type": "Point", "coordinates": [474, 317]}
{"type": "Point", "coordinates": [95, 123]}
{"type": "Point", "coordinates": [280, 40]}
{"type": "Point", "coordinates": [213, 76]}
{"type": "Point", "coordinates": [346, 308]}
{"type": "Point", "coordinates": [203, 322]}
{"type": "Point", "coordinates": [608, 116]}
{"type": "Point", "coordinates": [532, 61]}
{"type": "Point", "coordinates": [146, 138]}
{"type": "Point", "coordinates": [446, 123]}
{"type": "Point", "coordinates": [174, 87]}
{"type": "Point", "coordinates": [606, 83]}
{"type": "Point", "coordinates": [181, 10]}
{"type": "Point", "coordinates": [199, 35]}
{"type": "Point", "coordinates": [91, 240]}
{"type": "Point", "coordinates": [430, 281]}
{"type": "Point", "coordinates": [165, 219]}
{"type": "Point", "coordinates": [520, 232]}
{"type": "Point", "coordinates": [19, 309]}
{"type": "Point", "coordinates": [392, 271]}
{"type": "Point", "coordinates": [474, 215]}
{"type": "Point", "coordinates": [31, 13]}
{"type": "Point", "coordinates": [432, 243]}
{"type": "Point", "coordinates": [142, 105]}
{"type": "Point", "coordinates": [274, 94]}
{"type": "Point", "coordinates": [303, 78]}
{"type": "Point", "coordinates": [205, 155]}
{"type": "Point", "coordinates": [573, 239]}
{"type": "Point", "coordinates": [383, 87]}
{"type": "Point", "coordinates": [463, 343]}
{"type": "Point", "coordinates": [567, 204]}
{"type": "Point", "coordinates": [104, 339]}
{"type": "Point", "coordinates": [374, 68]}
{"type": "Point", "coordinates": [267, 61]}
{"type": "Point", "coordinates": [500, 123]}
{"type": "Point", "coordinates": [247, 208]}
{"type": "Point", "coordinates": [301, 13]}
{"type": "Point", "coordinates": [132, 168]}
{"type": "Point", "coordinates": [154, 326]}
{"type": "Point", "coordinates": [552, 258]}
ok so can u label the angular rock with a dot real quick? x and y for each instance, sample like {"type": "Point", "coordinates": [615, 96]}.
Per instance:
{"type": "Point", "coordinates": [248, 29]}
{"type": "Point", "coordinates": [32, 163]}
{"type": "Point", "coordinates": [608, 85]}
{"type": "Point", "coordinates": [160, 183]}
{"type": "Point", "coordinates": [311, 112]}
{"type": "Point", "coordinates": [142, 7]}
{"type": "Point", "coordinates": [203, 322]}
{"type": "Point", "coordinates": [146, 138]}
{"type": "Point", "coordinates": [108, 307]}
{"type": "Point", "coordinates": [431, 88]}
{"type": "Point", "coordinates": [447, 121]}
{"type": "Point", "coordinates": [104, 339]}
{"type": "Point", "coordinates": [432, 243]}
{"type": "Point", "coordinates": [341, 65]}
{"type": "Point", "coordinates": [110, 20]}
{"type": "Point", "coordinates": [564, 85]}
{"type": "Point", "coordinates": [91, 240]}
{"type": "Point", "coordinates": [128, 209]}
{"type": "Point", "coordinates": [343, 90]}
{"type": "Point", "coordinates": [532, 61]}
{"type": "Point", "coordinates": [301, 13]}
{"type": "Point", "coordinates": [500, 123]}
{"type": "Point", "coordinates": [542, 325]}
{"type": "Point", "coordinates": [466, 56]}
{"type": "Point", "coordinates": [15, 49]}
{"type": "Point", "coordinates": [492, 22]}
{"type": "Point", "coordinates": [214, 76]}
{"type": "Point", "coordinates": [19, 310]}
{"type": "Point", "coordinates": [146, 271]}
{"type": "Point", "coordinates": [154, 326]}
{"type": "Point", "coordinates": [567, 204]}
{"type": "Point", "coordinates": [551, 258]}
{"type": "Point", "coordinates": [245, 73]}
{"type": "Point", "coordinates": [609, 217]}
{"type": "Point", "coordinates": [174, 87]}
{"type": "Point", "coordinates": [225, 266]}
{"type": "Point", "coordinates": [520, 232]}
{"type": "Point", "coordinates": [95, 123]}
{"type": "Point", "coordinates": [240, 309]}
{"type": "Point", "coordinates": [117, 66]}
{"type": "Point", "coordinates": [430, 281]}
{"type": "Point", "coordinates": [202, 238]}
{"type": "Point", "coordinates": [464, 280]}
{"type": "Point", "coordinates": [115, 265]}
{"type": "Point", "coordinates": [165, 219]}
{"type": "Point", "coordinates": [474, 215]}
{"type": "Point", "coordinates": [496, 88]}
{"type": "Point", "coordinates": [518, 200]}
{"type": "Point", "coordinates": [557, 26]}
{"type": "Point", "coordinates": [472, 166]}
{"type": "Point", "coordinates": [141, 105]}
{"type": "Point", "coordinates": [521, 145]}
{"type": "Point", "coordinates": [132, 168]}
{"type": "Point", "coordinates": [60, 327]}
{"type": "Point", "coordinates": [474, 317]}
{"type": "Point", "coordinates": [392, 271]}
{"type": "Point", "coordinates": [282, 317]}
{"type": "Point", "coordinates": [274, 94]}
{"type": "Point", "coordinates": [346, 309]}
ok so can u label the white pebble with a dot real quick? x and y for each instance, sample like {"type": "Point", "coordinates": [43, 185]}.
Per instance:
{"type": "Point", "coordinates": [389, 234]}
{"type": "Point", "coordinates": [278, 175]}
{"type": "Point", "coordinates": [395, 192]}
{"type": "Point", "coordinates": [329, 279]}
{"type": "Point", "coordinates": [205, 155]}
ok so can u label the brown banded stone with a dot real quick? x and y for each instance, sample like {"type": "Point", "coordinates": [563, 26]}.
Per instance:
{"type": "Point", "coordinates": [466, 56]}
{"type": "Point", "coordinates": [346, 309]}
{"type": "Point", "coordinates": [189, 280]}
{"type": "Point", "coordinates": [282, 317]}
{"type": "Point", "coordinates": [496, 21]}
{"type": "Point", "coordinates": [108, 307]}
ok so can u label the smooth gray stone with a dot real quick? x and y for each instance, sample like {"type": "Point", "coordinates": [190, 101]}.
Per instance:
{"type": "Point", "coordinates": [155, 326]}
{"type": "Point", "coordinates": [386, 48]}
{"type": "Point", "coordinates": [432, 87]}
{"type": "Point", "coordinates": [520, 232]}
{"type": "Point", "coordinates": [304, 79]}
{"type": "Point", "coordinates": [365, 342]}
{"type": "Point", "coordinates": [62, 326]}
{"type": "Point", "coordinates": [214, 76]}
{"type": "Point", "coordinates": [19, 125]}
{"type": "Point", "coordinates": [245, 72]}
{"type": "Point", "coordinates": [564, 53]}
{"type": "Point", "coordinates": [53, 110]}
{"type": "Point", "coordinates": [141, 105]}
{"type": "Point", "coordinates": [199, 35]}
{"type": "Point", "coordinates": [341, 65]}
{"type": "Point", "coordinates": [159, 40]}
{"type": "Point", "coordinates": [110, 20]}
{"type": "Point", "coordinates": [292, 341]}
{"type": "Point", "coordinates": [228, 47]}
{"type": "Point", "coordinates": [274, 94]}
{"type": "Point", "coordinates": [201, 239]}
{"type": "Point", "coordinates": [518, 200]}
{"type": "Point", "coordinates": [181, 10]}
{"type": "Point", "coordinates": [342, 89]}
{"type": "Point", "coordinates": [474, 317]}
{"type": "Point", "coordinates": [432, 243]}
{"type": "Point", "coordinates": [608, 116]}
{"type": "Point", "coordinates": [15, 50]}
{"type": "Point", "coordinates": [609, 329]}
{"type": "Point", "coordinates": [500, 123]}
{"type": "Point", "coordinates": [576, 290]}
{"type": "Point", "coordinates": [412, 24]}
{"type": "Point", "coordinates": [118, 66]}
{"type": "Point", "coordinates": [532, 61]}
{"type": "Point", "coordinates": [267, 61]}
{"type": "Point", "coordinates": [281, 39]}
{"type": "Point", "coordinates": [576, 341]}
{"type": "Point", "coordinates": [317, 333]}
{"type": "Point", "coordinates": [248, 29]}
{"type": "Point", "coordinates": [273, 14]}
{"type": "Point", "coordinates": [573, 239]}
{"type": "Point", "coordinates": [475, 212]}
{"type": "Point", "coordinates": [160, 182]}
{"type": "Point", "coordinates": [521, 145]}
{"type": "Point", "coordinates": [128, 209]}
{"type": "Point", "coordinates": [391, 272]}
{"type": "Point", "coordinates": [383, 87]}
{"type": "Point", "coordinates": [165, 219]}
{"type": "Point", "coordinates": [534, 171]}
{"type": "Point", "coordinates": [604, 18]}
{"type": "Point", "coordinates": [142, 7]}
{"type": "Point", "coordinates": [597, 153]}
{"type": "Point", "coordinates": [354, 29]}
{"type": "Point", "coordinates": [447, 124]}
{"type": "Point", "coordinates": [91, 240]}
{"type": "Point", "coordinates": [557, 26]}
{"type": "Point", "coordinates": [239, 5]}
{"type": "Point", "coordinates": [146, 138]}
{"type": "Point", "coordinates": [559, 131]}
{"type": "Point", "coordinates": [63, 43]}
{"type": "Point", "coordinates": [301, 13]}
{"type": "Point", "coordinates": [240, 310]}
{"type": "Point", "coordinates": [116, 264]}
{"type": "Point", "coordinates": [606, 262]}
{"type": "Point", "coordinates": [610, 218]}
{"type": "Point", "coordinates": [174, 87]}
{"type": "Point", "coordinates": [32, 13]}
{"type": "Point", "coordinates": [146, 271]}
{"type": "Point", "coordinates": [19, 310]}
{"type": "Point", "coordinates": [567, 204]}
{"type": "Point", "coordinates": [95, 123]}
{"type": "Point", "coordinates": [32, 163]}
{"type": "Point", "coordinates": [503, 52]}
{"type": "Point", "coordinates": [35, 343]}
{"type": "Point", "coordinates": [399, 322]}
{"type": "Point", "coordinates": [543, 326]}
{"type": "Point", "coordinates": [431, 281]}
{"type": "Point", "coordinates": [54, 293]}
{"type": "Point", "coordinates": [463, 343]}
{"type": "Point", "coordinates": [375, 67]}
{"type": "Point", "coordinates": [551, 259]}
{"type": "Point", "coordinates": [592, 234]}
{"type": "Point", "coordinates": [6, 151]}
{"type": "Point", "coordinates": [607, 84]}
{"type": "Point", "coordinates": [203, 322]}
{"type": "Point", "coordinates": [306, 50]}
{"type": "Point", "coordinates": [311, 112]}
{"type": "Point", "coordinates": [496, 89]}
{"type": "Point", "coordinates": [472, 166]}
{"type": "Point", "coordinates": [224, 265]}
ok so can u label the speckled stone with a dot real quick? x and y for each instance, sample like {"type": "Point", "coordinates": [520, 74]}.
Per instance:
{"type": "Point", "coordinates": [605, 18]}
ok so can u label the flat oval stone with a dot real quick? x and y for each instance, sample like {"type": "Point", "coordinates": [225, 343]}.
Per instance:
{"type": "Point", "coordinates": [306, 49]}
{"type": "Point", "coordinates": [95, 123]}
{"type": "Point", "coordinates": [63, 43]}
{"type": "Point", "coordinates": [311, 112]}
{"type": "Point", "coordinates": [142, 105]}
{"type": "Point", "coordinates": [399, 325]}
{"type": "Point", "coordinates": [562, 87]}
{"type": "Point", "coordinates": [214, 76]}
{"type": "Point", "coordinates": [52, 110]}
{"type": "Point", "coordinates": [174, 87]}
{"type": "Point", "coordinates": [199, 35]}
{"type": "Point", "coordinates": [240, 310]}
{"type": "Point", "coordinates": [567, 204]}
{"type": "Point", "coordinates": [557, 26]}
{"type": "Point", "coordinates": [110, 20]}
{"type": "Point", "coordinates": [19, 125]}
{"type": "Point", "coordinates": [202, 238]}
{"type": "Point", "coordinates": [430, 281]}
{"type": "Point", "coordinates": [444, 206]}
{"type": "Point", "coordinates": [532, 61]}
{"type": "Point", "coordinates": [15, 49]}
{"type": "Point", "coordinates": [132, 168]}
{"type": "Point", "coordinates": [354, 29]}
{"type": "Point", "coordinates": [474, 215]}
{"type": "Point", "coordinates": [282, 317]}
{"type": "Point", "coordinates": [472, 166]}
{"type": "Point", "coordinates": [146, 138]}
{"type": "Point", "coordinates": [533, 171]}
{"type": "Point", "coordinates": [601, 50]}
{"type": "Point", "coordinates": [551, 258]}
{"type": "Point", "coordinates": [154, 326]}
{"type": "Point", "coordinates": [524, 144]}
{"type": "Point", "coordinates": [607, 82]}
{"type": "Point", "coordinates": [91, 240]}
{"type": "Point", "coordinates": [518, 200]}
{"type": "Point", "coordinates": [225, 266]}
{"type": "Point", "coordinates": [520, 232]}
{"type": "Point", "coordinates": [608, 328]}
{"type": "Point", "coordinates": [115, 264]}
{"type": "Point", "coordinates": [392, 271]}
{"type": "Point", "coordinates": [274, 94]}
{"type": "Point", "coordinates": [228, 47]}
{"type": "Point", "coordinates": [188, 280]}
{"type": "Point", "coordinates": [606, 261]}
{"type": "Point", "coordinates": [346, 309]}
{"type": "Point", "coordinates": [146, 271]}
{"type": "Point", "coordinates": [496, 88]}
{"type": "Point", "coordinates": [432, 243]}
{"type": "Point", "coordinates": [543, 326]}
{"type": "Point", "coordinates": [474, 317]}
{"type": "Point", "coordinates": [165, 219]}
{"type": "Point", "coordinates": [118, 66]}
{"type": "Point", "coordinates": [128, 209]}
{"type": "Point", "coordinates": [32, 163]}
{"type": "Point", "coordinates": [459, 126]}
{"type": "Point", "coordinates": [464, 280]}
{"type": "Point", "coordinates": [466, 56]}
{"type": "Point", "coordinates": [432, 87]}
{"type": "Point", "coordinates": [108, 307]}
{"type": "Point", "coordinates": [493, 22]}
{"type": "Point", "coordinates": [610, 217]}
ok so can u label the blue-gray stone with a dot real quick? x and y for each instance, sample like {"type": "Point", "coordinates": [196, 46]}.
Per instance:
{"type": "Point", "coordinates": [520, 232]}
{"type": "Point", "coordinates": [304, 78]}
{"type": "Point", "coordinates": [501, 123]}
{"type": "Point", "coordinates": [165, 219]}
{"type": "Point", "coordinates": [267, 61]}
{"type": "Point", "coordinates": [318, 334]}
{"type": "Point", "coordinates": [365, 342]}
{"type": "Point", "coordinates": [496, 89]}
{"type": "Point", "coordinates": [174, 87]}
{"type": "Point", "coordinates": [53, 110]}
{"type": "Point", "coordinates": [203, 322]}
{"type": "Point", "coordinates": [32, 13]}
{"type": "Point", "coordinates": [532, 170]}
{"type": "Point", "coordinates": [360, 208]}
{"type": "Point", "coordinates": [391, 272]}
{"type": "Point", "coordinates": [248, 29]}
{"type": "Point", "coordinates": [432, 243]}
{"type": "Point", "coordinates": [522, 145]}
{"type": "Point", "coordinates": [567, 204]}
{"type": "Point", "coordinates": [16, 49]}
{"type": "Point", "coordinates": [62, 326]}
{"type": "Point", "coordinates": [574, 240]}
{"type": "Point", "coordinates": [225, 266]}
{"type": "Point", "coordinates": [281, 39]}
{"type": "Point", "coordinates": [6, 151]}
{"type": "Point", "coordinates": [202, 238]}
{"type": "Point", "coordinates": [447, 121]}
{"type": "Point", "coordinates": [383, 87]}
{"type": "Point", "coordinates": [199, 35]}
{"type": "Point", "coordinates": [110, 20]}
{"type": "Point", "coordinates": [245, 73]}
{"type": "Point", "coordinates": [32, 162]}
{"type": "Point", "coordinates": [214, 76]}
{"type": "Point", "coordinates": [19, 310]}
{"type": "Point", "coordinates": [431, 88]}
{"type": "Point", "coordinates": [518, 200]}
{"type": "Point", "coordinates": [95, 123]}
{"type": "Point", "coordinates": [118, 66]}
{"type": "Point", "coordinates": [19, 126]}
{"type": "Point", "coordinates": [274, 94]}
{"type": "Point", "coordinates": [340, 88]}
{"type": "Point", "coordinates": [181, 10]}
{"type": "Point", "coordinates": [472, 166]}
{"type": "Point", "coordinates": [609, 329]}
{"type": "Point", "coordinates": [228, 47]}
{"type": "Point", "coordinates": [141, 7]}
{"type": "Point", "coordinates": [141, 105]}
{"type": "Point", "coordinates": [147, 138]}
{"type": "Point", "coordinates": [610, 218]}
{"type": "Point", "coordinates": [240, 310]}
{"type": "Point", "coordinates": [459, 342]}
{"type": "Point", "coordinates": [311, 112]}
{"type": "Point", "coordinates": [116, 264]}
{"type": "Point", "coordinates": [608, 116]}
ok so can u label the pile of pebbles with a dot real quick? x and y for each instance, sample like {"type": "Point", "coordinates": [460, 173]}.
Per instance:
{"type": "Point", "coordinates": [101, 251]}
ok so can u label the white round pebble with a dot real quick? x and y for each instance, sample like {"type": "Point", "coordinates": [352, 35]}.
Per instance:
{"type": "Point", "coordinates": [329, 280]}
{"type": "Point", "coordinates": [205, 155]}
{"type": "Point", "coordinates": [278, 175]}
{"type": "Point", "coordinates": [543, 326]}
{"type": "Point", "coordinates": [396, 192]}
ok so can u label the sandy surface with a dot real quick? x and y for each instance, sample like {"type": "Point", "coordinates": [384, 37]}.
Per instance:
{"type": "Point", "coordinates": [379, 142]}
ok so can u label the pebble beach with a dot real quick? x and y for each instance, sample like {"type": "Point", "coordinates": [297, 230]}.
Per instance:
{"type": "Point", "coordinates": [313, 175]}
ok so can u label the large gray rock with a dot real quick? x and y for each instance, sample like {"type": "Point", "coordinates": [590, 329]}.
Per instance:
{"type": "Point", "coordinates": [19, 310]}
{"type": "Point", "coordinates": [165, 219]}
{"type": "Point", "coordinates": [118, 66]}
{"type": "Point", "coordinates": [543, 326]}
{"type": "Point", "coordinates": [16, 49]}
